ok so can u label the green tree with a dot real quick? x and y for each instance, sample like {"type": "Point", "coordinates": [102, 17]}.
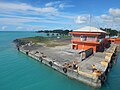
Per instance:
{"type": "Point", "coordinates": [48, 34]}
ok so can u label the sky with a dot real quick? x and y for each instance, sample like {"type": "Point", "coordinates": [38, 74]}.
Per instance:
{"type": "Point", "coordinates": [34, 15]}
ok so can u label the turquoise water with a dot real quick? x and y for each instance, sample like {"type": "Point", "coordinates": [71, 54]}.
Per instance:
{"type": "Point", "coordinates": [20, 72]}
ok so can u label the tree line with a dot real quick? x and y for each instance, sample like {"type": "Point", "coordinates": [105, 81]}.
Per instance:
{"type": "Point", "coordinates": [111, 32]}
{"type": "Point", "coordinates": [57, 31]}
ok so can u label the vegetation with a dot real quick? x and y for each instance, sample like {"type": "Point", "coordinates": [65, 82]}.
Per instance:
{"type": "Point", "coordinates": [111, 32]}
{"type": "Point", "coordinates": [49, 42]}
{"type": "Point", "coordinates": [36, 39]}
{"type": "Point", "coordinates": [58, 32]}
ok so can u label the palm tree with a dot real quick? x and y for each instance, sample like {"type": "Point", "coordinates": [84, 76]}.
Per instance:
{"type": "Point", "coordinates": [52, 34]}
{"type": "Point", "coordinates": [57, 34]}
{"type": "Point", "coordinates": [48, 34]}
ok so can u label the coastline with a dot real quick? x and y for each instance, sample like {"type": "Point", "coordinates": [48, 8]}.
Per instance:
{"type": "Point", "coordinates": [79, 75]}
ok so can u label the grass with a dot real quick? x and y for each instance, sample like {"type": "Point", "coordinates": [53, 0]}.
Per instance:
{"type": "Point", "coordinates": [63, 37]}
{"type": "Point", "coordinates": [36, 39]}
{"type": "Point", "coordinates": [66, 37]}
{"type": "Point", "coordinates": [49, 42]}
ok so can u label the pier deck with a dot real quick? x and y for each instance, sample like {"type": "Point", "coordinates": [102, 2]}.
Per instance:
{"type": "Point", "coordinates": [64, 54]}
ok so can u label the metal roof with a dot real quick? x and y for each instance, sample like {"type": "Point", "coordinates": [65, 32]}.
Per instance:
{"type": "Point", "coordinates": [89, 29]}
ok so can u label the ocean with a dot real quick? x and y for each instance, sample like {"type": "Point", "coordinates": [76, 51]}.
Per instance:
{"type": "Point", "coordinates": [20, 72]}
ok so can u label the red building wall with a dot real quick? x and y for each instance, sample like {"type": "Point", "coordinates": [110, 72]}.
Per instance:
{"type": "Point", "coordinates": [83, 46]}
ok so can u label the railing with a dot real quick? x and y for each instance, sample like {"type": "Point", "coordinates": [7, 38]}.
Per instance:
{"type": "Point", "coordinates": [87, 40]}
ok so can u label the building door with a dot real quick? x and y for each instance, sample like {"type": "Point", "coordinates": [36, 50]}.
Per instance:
{"type": "Point", "coordinates": [75, 46]}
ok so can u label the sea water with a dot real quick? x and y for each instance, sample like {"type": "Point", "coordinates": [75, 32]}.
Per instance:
{"type": "Point", "coordinates": [20, 72]}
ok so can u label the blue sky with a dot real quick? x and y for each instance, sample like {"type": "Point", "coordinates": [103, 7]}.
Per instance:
{"type": "Point", "coordinates": [32, 15]}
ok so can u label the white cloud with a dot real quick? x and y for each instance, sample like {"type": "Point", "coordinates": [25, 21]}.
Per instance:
{"type": "Point", "coordinates": [58, 4]}
{"type": "Point", "coordinates": [104, 21]}
{"type": "Point", "coordinates": [51, 14]}
{"type": "Point", "coordinates": [52, 3]}
{"type": "Point", "coordinates": [110, 20]}
{"type": "Point", "coordinates": [49, 4]}
{"type": "Point", "coordinates": [113, 16]}
{"type": "Point", "coordinates": [61, 5]}
{"type": "Point", "coordinates": [106, 18]}
{"type": "Point", "coordinates": [46, 9]}
{"type": "Point", "coordinates": [35, 28]}
{"type": "Point", "coordinates": [25, 8]}
{"type": "Point", "coordinates": [4, 27]}
{"type": "Point", "coordinates": [117, 20]}
{"type": "Point", "coordinates": [21, 15]}
{"type": "Point", "coordinates": [21, 20]}
{"type": "Point", "coordinates": [82, 19]}
{"type": "Point", "coordinates": [29, 27]}
{"type": "Point", "coordinates": [114, 12]}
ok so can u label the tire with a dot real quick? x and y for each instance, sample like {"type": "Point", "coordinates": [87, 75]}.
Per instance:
{"type": "Point", "coordinates": [41, 60]}
{"type": "Point", "coordinates": [103, 78]}
{"type": "Point", "coordinates": [65, 70]}
{"type": "Point", "coordinates": [50, 63]}
{"type": "Point", "coordinates": [27, 53]}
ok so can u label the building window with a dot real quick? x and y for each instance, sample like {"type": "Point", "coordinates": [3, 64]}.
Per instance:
{"type": "Point", "coordinates": [91, 38]}
{"type": "Point", "coordinates": [76, 36]}
{"type": "Point", "coordinates": [100, 38]}
{"type": "Point", "coordinates": [83, 38]}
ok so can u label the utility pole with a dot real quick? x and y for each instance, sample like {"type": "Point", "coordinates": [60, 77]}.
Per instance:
{"type": "Point", "coordinates": [90, 21]}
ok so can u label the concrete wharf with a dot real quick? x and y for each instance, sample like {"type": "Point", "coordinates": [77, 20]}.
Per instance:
{"type": "Point", "coordinates": [63, 59]}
